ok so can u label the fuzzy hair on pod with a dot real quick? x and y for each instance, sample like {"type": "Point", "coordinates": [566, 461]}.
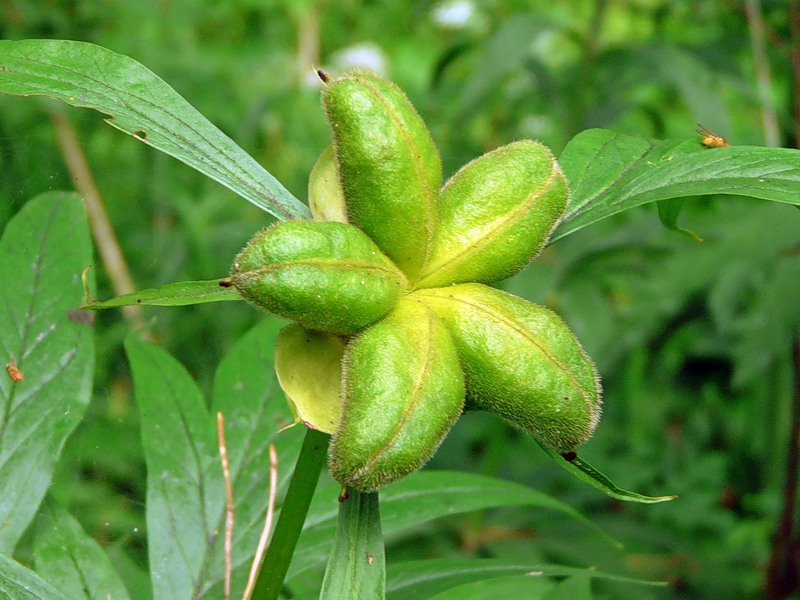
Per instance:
{"type": "Point", "coordinates": [495, 215]}
{"type": "Point", "coordinates": [388, 164]}
{"type": "Point", "coordinates": [521, 362]}
{"type": "Point", "coordinates": [326, 276]}
{"type": "Point", "coordinates": [403, 390]}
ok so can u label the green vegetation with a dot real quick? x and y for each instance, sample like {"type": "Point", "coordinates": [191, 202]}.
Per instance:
{"type": "Point", "coordinates": [680, 280]}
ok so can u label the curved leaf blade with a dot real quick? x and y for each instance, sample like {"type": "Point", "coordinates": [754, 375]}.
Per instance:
{"type": "Point", "coordinates": [612, 172]}
{"type": "Point", "coordinates": [182, 293]}
{"type": "Point", "coordinates": [422, 579]}
{"type": "Point", "coordinates": [586, 472]}
{"type": "Point", "coordinates": [356, 565]}
{"type": "Point", "coordinates": [70, 559]}
{"type": "Point", "coordinates": [44, 249]}
{"type": "Point", "coordinates": [420, 498]}
{"type": "Point", "coordinates": [141, 104]}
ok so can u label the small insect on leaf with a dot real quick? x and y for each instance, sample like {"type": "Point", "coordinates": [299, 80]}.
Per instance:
{"type": "Point", "coordinates": [709, 139]}
{"type": "Point", "coordinates": [14, 371]}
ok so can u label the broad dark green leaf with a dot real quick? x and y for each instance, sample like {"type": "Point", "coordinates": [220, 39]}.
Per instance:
{"type": "Point", "coordinates": [421, 579]}
{"type": "Point", "coordinates": [173, 294]}
{"type": "Point", "coordinates": [611, 172]}
{"type": "Point", "coordinates": [356, 565]}
{"type": "Point", "coordinates": [185, 496]}
{"type": "Point", "coordinates": [414, 501]}
{"type": "Point", "coordinates": [586, 472]}
{"type": "Point", "coordinates": [44, 249]}
{"type": "Point", "coordinates": [143, 105]}
{"type": "Point", "coordinates": [71, 560]}
{"type": "Point", "coordinates": [20, 583]}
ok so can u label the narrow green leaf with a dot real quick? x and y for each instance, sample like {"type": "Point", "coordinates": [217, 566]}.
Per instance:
{"type": "Point", "coordinates": [70, 559]}
{"type": "Point", "coordinates": [422, 497]}
{"type": "Point", "coordinates": [186, 495]}
{"type": "Point", "coordinates": [422, 579]}
{"type": "Point", "coordinates": [44, 249]}
{"type": "Point", "coordinates": [143, 105]}
{"type": "Point", "coordinates": [668, 212]}
{"type": "Point", "coordinates": [356, 565]}
{"type": "Point", "coordinates": [181, 293]}
{"type": "Point", "coordinates": [20, 583]}
{"type": "Point", "coordinates": [612, 172]}
{"type": "Point", "coordinates": [182, 483]}
{"type": "Point", "coordinates": [586, 472]}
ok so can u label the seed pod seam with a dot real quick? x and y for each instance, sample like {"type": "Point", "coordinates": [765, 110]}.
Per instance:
{"type": "Point", "coordinates": [411, 406]}
{"type": "Point", "coordinates": [500, 226]}
{"type": "Point", "coordinates": [327, 263]}
{"type": "Point", "coordinates": [595, 408]}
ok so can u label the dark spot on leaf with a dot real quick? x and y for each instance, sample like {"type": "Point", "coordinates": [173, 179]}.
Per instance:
{"type": "Point", "coordinates": [569, 456]}
{"type": "Point", "coordinates": [82, 317]}
{"type": "Point", "coordinates": [141, 134]}
{"type": "Point", "coordinates": [138, 301]}
{"type": "Point", "coordinates": [226, 282]}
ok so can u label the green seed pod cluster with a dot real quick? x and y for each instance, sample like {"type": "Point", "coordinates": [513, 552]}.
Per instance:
{"type": "Point", "coordinates": [397, 330]}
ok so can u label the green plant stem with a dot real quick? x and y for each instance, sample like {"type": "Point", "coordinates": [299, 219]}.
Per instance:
{"type": "Point", "coordinates": [293, 515]}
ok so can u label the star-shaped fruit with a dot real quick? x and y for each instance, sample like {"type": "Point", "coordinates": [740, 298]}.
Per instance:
{"type": "Point", "coordinates": [396, 328]}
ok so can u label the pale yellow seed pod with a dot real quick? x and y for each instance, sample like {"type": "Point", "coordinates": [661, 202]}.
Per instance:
{"type": "Point", "coordinates": [309, 369]}
{"type": "Point", "coordinates": [325, 196]}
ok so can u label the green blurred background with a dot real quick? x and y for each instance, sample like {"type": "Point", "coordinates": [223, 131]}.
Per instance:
{"type": "Point", "coordinates": [693, 340]}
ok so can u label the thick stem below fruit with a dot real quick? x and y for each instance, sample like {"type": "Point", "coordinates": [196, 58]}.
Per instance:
{"type": "Point", "coordinates": [293, 515]}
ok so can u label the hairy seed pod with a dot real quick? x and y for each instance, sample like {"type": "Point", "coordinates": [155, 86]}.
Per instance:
{"type": "Point", "coordinates": [309, 369]}
{"type": "Point", "coordinates": [388, 164]}
{"type": "Point", "coordinates": [521, 362]}
{"type": "Point", "coordinates": [325, 196]}
{"type": "Point", "coordinates": [324, 275]}
{"type": "Point", "coordinates": [403, 390]}
{"type": "Point", "coordinates": [496, 214]}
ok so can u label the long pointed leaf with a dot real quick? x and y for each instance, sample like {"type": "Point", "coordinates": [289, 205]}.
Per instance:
{"type": "Point", "coordinates": [586, 472]}
{"type": "Point", "coordinates": [143, 105]}
{"type": "Point", "coordinates": [611, 172]}
{"type": "Point", "coordinates": [181, 293]}
{"type": "Point", "coordinates": [420, 498]}
{"type": "Point", "coordinates": [70, 559]}
{"type": "Point", "coordinates": [44, 249]}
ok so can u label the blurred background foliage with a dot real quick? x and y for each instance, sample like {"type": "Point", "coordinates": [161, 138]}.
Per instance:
{"type": "Point", "coordinates": [694, 340]}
